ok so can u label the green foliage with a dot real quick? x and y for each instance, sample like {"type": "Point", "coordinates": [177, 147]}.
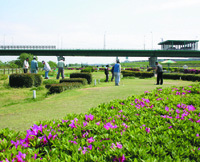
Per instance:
{"type": "Point", "coordinates": [3, 77]}
{"type": "Point", "coordinates": [188, 77]}
{"type": "Point", "coordinates": [25, 80]}
{"type": "Point", "coordinates": [52, 64]}
{"type": "Point", "coordinates": [140, 74]}
{"type": "Point", "coordinates": [162, 125]}
{"type": "Point", "coordinates": [87, 76]}
{"type": "Point", "coordinates": [80, 80]}
{"type": "Point", "coordinates": [22, 57]}
{"type": "Point", "coordinates": [88, 69]}
{"type": "Point", "coordinates": [58, 88]}
{"type": "Point", "coordinates": [50, 81]}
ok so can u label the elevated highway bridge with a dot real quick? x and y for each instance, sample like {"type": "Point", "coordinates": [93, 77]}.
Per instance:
{"type": "Point", "coordinates": [152, 54]}
{"type": "Point", "coordinates": [102, 52]}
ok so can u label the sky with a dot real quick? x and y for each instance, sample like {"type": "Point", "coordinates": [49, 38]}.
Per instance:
{"type": "Point", "coordinates": [97, 24]}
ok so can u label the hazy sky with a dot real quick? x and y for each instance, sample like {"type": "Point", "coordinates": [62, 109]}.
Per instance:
{"type": "Point", "coordinates": [83, 24]}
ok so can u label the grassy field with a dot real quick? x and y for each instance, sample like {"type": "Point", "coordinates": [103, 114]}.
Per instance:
{"type": "Point", "coordinates": [18, 111]}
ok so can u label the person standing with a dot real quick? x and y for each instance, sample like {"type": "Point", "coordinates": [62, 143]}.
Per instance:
{"type": "Point", "coordinates": [117, 71]}
{"type": "Point", "coordinates": [47, 68]}
{"type": "Point", "coordinates": [159, 72]}
{"type": "Point", "coordinates": [60, 66]}
{"type": "Point", "coordinates": [26, 65]}
{"type": "Point", "coordinates": [107, 73]}
{"type": "Point", "coordinates": [34, 65]}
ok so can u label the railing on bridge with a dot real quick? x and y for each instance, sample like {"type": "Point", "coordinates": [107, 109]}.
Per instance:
{"type": "Point", "coordinates": [27, 47]}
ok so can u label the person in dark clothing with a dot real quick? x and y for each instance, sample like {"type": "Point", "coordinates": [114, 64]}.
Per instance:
{"type": "Point", "coordinates": [112, 71]}
{"type": "Point", "coordinates": [106, 73]}
{"type": "Point", "coordinates": [159, 72]}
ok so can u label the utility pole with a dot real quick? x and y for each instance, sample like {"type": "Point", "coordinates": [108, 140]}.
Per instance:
{"type": "Point", "coordinates": [104, 40]}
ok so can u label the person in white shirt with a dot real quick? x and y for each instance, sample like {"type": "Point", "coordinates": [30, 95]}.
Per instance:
{"type": "Point", "coordinates": [47, 68]}
{"type": "Point", "coordinates": [26, 65]}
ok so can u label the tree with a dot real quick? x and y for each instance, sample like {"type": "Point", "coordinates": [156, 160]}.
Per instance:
{"type": "Point", "coordinates": [52, 64]}
{"type": "Point", "coordinates": [22, 57]}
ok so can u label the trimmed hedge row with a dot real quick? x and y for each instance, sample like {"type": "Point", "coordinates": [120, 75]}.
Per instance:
{"type": "Point", "coordinates": [58, 88]}
{"type": "Point", "coordinates": [188, 77]}
{"type": "Point", "coordinates": [25, 80]}
{"type": "Point", "coordinates": [87, 76]}
{"type": "Point", "coordinates": [79, 80]}
{"type": "Point", "coordinates": [127, 73]}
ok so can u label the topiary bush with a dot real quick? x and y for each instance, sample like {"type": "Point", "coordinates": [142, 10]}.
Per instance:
{"type": "Point", "coordinates": [70, 80]}
{"type": "Point", "coordinates": [25, 80]}
{"type": "Point", "coordinates": [87, 76]}
{"type": "Point", "coordinates": [188, 77]}
{"type": "Point", "coordinates": [128, 73]}
{"type": "Point", "coordinates": [58, 88]}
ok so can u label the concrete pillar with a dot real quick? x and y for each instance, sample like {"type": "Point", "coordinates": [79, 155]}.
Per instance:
{"type": "Point", "coordinates": [152, 61]}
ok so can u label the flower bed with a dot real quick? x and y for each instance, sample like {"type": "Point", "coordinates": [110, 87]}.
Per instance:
{"type": "Point", "coordinates": [163, 125]}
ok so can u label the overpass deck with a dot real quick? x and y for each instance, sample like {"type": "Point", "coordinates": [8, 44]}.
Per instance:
{"type": "Point", "coordinates": [102, 52]}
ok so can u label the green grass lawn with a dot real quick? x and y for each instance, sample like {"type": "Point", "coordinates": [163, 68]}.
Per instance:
{"type": "Point", "coordinates": [18, 111]}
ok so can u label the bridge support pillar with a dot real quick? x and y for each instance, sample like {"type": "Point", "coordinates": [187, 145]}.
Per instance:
{"type": "Point", "coordinates": [60, 57]}
{"type": "Point", "coordinates": [152, 61]}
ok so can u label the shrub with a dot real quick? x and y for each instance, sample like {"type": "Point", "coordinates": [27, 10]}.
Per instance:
{"type": "Point", "coordinates": [87, 76]}
{"type": "Point", "coordinates": [50, 81]}
{"type": "Point", "coordinates": [127, 73]}
{"type": "Point", "coordinates": [188, 77]}
{"type": "Point", "coordinates": [58, 88]}
{"type": "Point", "coordinates": [80, 80]}
{"type": "Point", "coordinates": [3, 77]}
{"type": "Point", "coordinates": [25, 80]}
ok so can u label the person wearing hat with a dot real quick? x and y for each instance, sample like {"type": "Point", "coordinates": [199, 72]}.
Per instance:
{"type": "Point", "coordinates": [34, 65]}
{"type": "Point", "coordinates": [60, 66]}
{"type": "Point", "coordinates": [106, 73]}
{"type": "Point", "coordinates": [159, 72]}
{"type": "Point", "coordinates": [117, 71]}
{"type": "Point", "coordinates": [26, 65]}
{"type": "Point", "coordinates": [47, 68]}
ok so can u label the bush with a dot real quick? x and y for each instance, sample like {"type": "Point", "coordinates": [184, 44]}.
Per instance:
{"type": "Point", "coordinates": [87, 76]}
{"type": "Point", "coordinates": [50, 81]}
{"type": "Point", "coordinates": [127, 73]}
{"type": "Point", "coordinates": [25, 80]}
{"type": "Point", "coordinates": [3, 77]}
{"type": "Point", "coordinates": [58, 88]}
{"type": "Point", "coordinates": [79, 80]}
{"type": "Point", "coordinates": [188, 77]}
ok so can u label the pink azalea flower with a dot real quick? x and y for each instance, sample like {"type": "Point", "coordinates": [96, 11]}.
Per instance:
{"type": "Point", "coordinates": [167, 108]}
{"type": "Point", "coordinates": [90, 147]}
{"type": "Point", "coordinates": [90, 140]}
{"type": "Point", "coordinates": [177, 111]}
{"type": "Point", "coordinates": [147, 130]}
{"type": "Point", "coordinates": [197, 135]}
{"type": "Point", "coordinates": [98, 123]}
{"type": "Point", "coordinates": [85, 123]}
{"type": "Point", "coordinates": [170, 127]}
{"type": "Point", "coordinates": [87, 117]}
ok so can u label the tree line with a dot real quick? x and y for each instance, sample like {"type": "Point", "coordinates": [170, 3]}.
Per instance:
{"type": "Point", "coordinates": [20, 61]}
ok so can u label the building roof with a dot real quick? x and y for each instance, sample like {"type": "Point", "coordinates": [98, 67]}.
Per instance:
{"type": "Point", "coordinates": [177, 42]}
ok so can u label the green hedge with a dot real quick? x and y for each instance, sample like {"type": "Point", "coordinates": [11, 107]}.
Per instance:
{"type": "Point", "coordinates": [188, 77]}
{"type": "Point", "coordinates": [87, 76]}
{"type": "Point", "coordinates": [80, 80]}
{"type": "Point", "coordinates": [25, 80]}
{"type": "Point", "coordinates": [3, 77]}
{"type": "Point", "coordinates": [58, 88]}
{"type": "Point", "coordinates": [140, 74]}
